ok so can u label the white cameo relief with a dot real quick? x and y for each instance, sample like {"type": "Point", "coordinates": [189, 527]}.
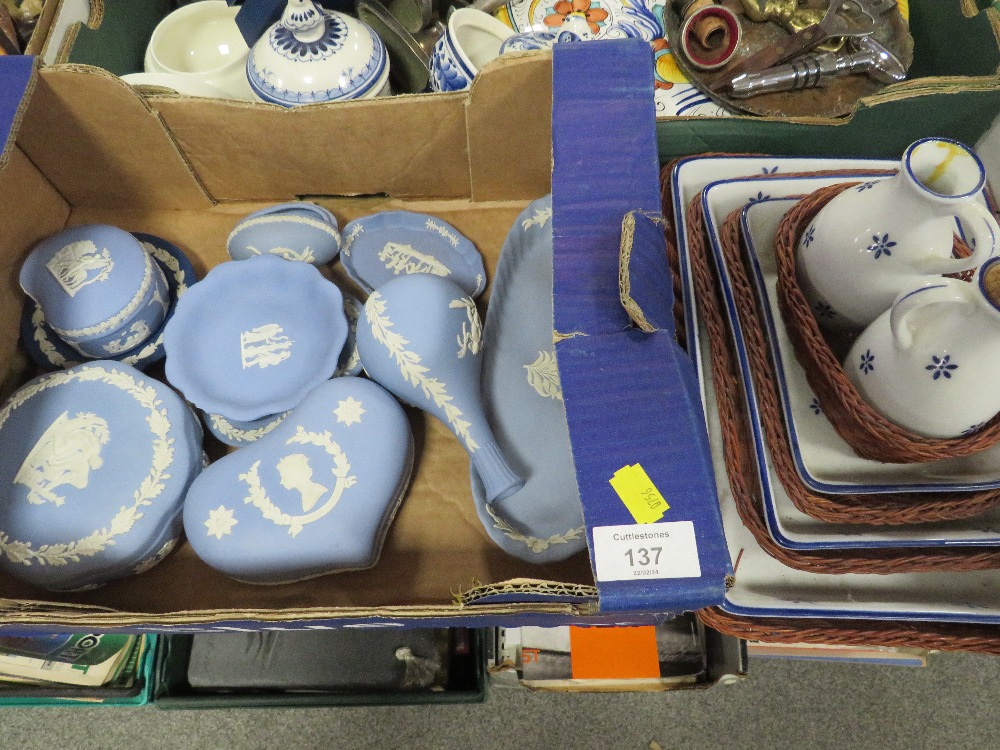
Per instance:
{"type": "Point", "coordinates": [296, 474]}
{"type": "Point", "coordinates": [543, 376]}
{"type": "Point", "coordinates": [79, 264]}
{"type": "Point", "coordinates": [158, 299]}
{"type": "Point", "coordinates": [136, 334]}
{"type": "Point", "coordinates": [220, 522]}
{"type": "Point", "coordinates": [400, 258]}
{"type": "Point", "coordinates": [540, 219]}
{"type": "Point", "coordinates": [264, 346]}
{"type": "Point", "coordinates": [305, 255]}
{"type": "Point", "coordinates": [349, 411]}
{"type": "Point", "coordinates": [470, 340]}
{"type": "Point", "coordinates": [66, 453]}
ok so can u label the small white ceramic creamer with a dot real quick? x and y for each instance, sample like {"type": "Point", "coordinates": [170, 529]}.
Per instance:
{"type": "Point", "coordinates": [879, 238]}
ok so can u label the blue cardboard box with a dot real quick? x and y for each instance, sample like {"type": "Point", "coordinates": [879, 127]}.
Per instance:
{"type": "Point", "coordinates": [81, 147]}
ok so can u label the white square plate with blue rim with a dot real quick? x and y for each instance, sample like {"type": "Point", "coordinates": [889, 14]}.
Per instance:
{"type": "Point", "coordinates": [692, 174]}
{"type": "Point", "coordinates": [764, 587]}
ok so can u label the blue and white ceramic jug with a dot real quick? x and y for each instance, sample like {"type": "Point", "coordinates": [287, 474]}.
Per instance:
{"type": "Point", "coordinates": [421, 338]}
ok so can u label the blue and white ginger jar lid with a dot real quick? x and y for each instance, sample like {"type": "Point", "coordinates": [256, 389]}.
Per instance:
{"type": "Point", "coordinates": [253, 337]}
{"type": "Point", "coordinates": [316, 495]}
{"type": "Point", "coordinates": [312, 55]}
{"type": "Point", "coordinates": [523, 400]}
{"type": "Point", "coordinates": [95, 283]}
{"type": "Point", "coordinates": [380, 247]}
{"type": "Point", "coordinates": [95, 462]}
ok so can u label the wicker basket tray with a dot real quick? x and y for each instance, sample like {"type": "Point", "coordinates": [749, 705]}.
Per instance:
{"type": "Point", "coordinates": [870, 434]}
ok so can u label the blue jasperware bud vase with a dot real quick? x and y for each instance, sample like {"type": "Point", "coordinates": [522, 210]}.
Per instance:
{"type": "Point", "coordinates": [421, 338]}
{"type": "Point", "coordinates": [315, 495]}
{"type": "Point", "coordinates": [299, 230]}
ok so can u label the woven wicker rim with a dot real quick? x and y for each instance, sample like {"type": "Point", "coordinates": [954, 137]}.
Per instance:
{"type": "Point", "coordinates": [869, 433]}
{"type": "Point", "coordinates": [740, 463]}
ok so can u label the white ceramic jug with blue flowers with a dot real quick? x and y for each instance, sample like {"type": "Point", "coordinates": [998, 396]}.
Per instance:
{"type": "Point", "coordinates": [879, 238]}
{"type": "Point", "coordinates": [928, 363]}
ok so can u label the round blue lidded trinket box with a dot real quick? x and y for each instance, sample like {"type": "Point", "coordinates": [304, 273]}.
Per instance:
{"type": "Point", "coordinates": [299, 230]}
{"type": "Point", "coordinates": [383, 246]}
{"type": "Point", "coordinates": [277, 331]}
{"type": "Point", "coordinates": [50, 352]}
{"type": "Point", "coordinates": [100, 291]}
{"type": "Point", "coordinates": [95, 462]}
{"type": "Point", "coordinates": [316, 495]}
{"type": "Point", "coordinates": [523, 401]}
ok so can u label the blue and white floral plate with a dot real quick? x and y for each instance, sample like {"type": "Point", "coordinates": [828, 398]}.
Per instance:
{"type": "Point", "coordinates": [789, 527]}
{"type": "Point", "coordinates": [764, 587]}
{"type": "Point", "coordinates": [50, 352]}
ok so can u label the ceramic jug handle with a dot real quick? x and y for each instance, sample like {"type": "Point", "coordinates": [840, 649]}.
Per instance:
{"type": "Point", "coordinates": [941, 291]}
{"type": "Point", "coordinates": [982, 234]}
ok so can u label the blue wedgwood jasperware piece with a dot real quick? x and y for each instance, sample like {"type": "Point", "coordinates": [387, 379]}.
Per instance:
{"type": "Point", "coordinates": [50, 352]}
{"type": "Point", "coordinates": [314, 55]}
{"type": "Point", "coordinates": [277, 331]}
{"type": "Point", "coordinates": [238, 434]}
{"type": "Point", "coordinates": [100, 291]}
{"type": "Point", "coordinates": [389, 244]}
{"type": "Point", "coordinates": [522, 398]}
{"type": "Point", "coordinates": [421, 338]}
{"type": "Point", "coordinates": [314, 496]}
{"type": "Point", "coordinates": [299, 230]}
{"type": "Point", "coordinates": [95, 462]}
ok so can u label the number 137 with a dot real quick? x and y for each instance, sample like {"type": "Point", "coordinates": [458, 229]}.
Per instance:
{"type": "Point", "coordinates": [643, 556]}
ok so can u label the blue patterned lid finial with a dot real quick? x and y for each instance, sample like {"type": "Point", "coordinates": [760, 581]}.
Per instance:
{"type": "Point", "coordinates": [304, 20]}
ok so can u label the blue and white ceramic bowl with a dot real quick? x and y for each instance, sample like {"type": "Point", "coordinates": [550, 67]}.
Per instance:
{"type": "Point", "coordinates": [312, 55]}
{"type": "Point", "coordinates": [389, 244]}
{"type": "Point", "coordinates": [314, 496]}
{"type": "Point", "coordinates": [100, 291]}
{"type": "Point", "coordinates": [95, 462]}
{"type": "Point", "coordinates": [523, 401]}
{"type": "Point", "coordinates": [50, 352]}
{"type": "Point", "coordinates": [255, 336]}
{"type": "Point", "coordinates": [472, 39]}
{"type": "Point", "coordinates": [350, 358]}
{"type": "Point", "coordinates": [238, 434]}
{"type": "Point", "coordinates": [299, 230]}
{"type": "Point", "coordinates": [527, 41]}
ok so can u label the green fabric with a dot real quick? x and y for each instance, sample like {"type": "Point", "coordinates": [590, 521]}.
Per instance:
{"type": "Point", "coordinates": [119, 44]}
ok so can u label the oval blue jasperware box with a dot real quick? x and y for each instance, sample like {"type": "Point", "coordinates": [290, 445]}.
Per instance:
{"type": "Point", "coordinates": [476, 160]}
{"type": "Point", "coordinates": [95, 462]}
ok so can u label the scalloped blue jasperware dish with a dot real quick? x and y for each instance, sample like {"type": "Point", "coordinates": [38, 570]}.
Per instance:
{"type": "Point", "coordinates": [316, 495]}
{"type": "Point", "coordinates": [95, 462]}
{"type": "Point", "coordinates": [386, 245]}
{"type": "Point", "coordinates": [50, 352]}
{"type": "Point", "coordinates": [523, 400]}
{"type": "Point", "coordinates": [101, 292]}
{"type": "Point", "coordinates": [298, 230]}
{"type": "Point", "coordinates": [254, 336]}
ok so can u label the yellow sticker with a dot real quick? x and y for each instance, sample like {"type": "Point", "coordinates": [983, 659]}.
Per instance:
{"type": "Point", "coordinates": [639, 494]}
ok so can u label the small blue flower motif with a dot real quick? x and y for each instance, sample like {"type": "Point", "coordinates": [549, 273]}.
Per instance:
{"type": "Point", "coordinates": [865, 186]}
{"type": "Point", "coordinates": [881, 245]}
{"type": "Point", "coordinates": [765, 170]}
{"type": "Point", "coordinates": [867, 362]}
{"type": "Point", "coordinates": [815, 406]}
{"type": "Point", "coordinates": [941, 366]}
{"type": "Point", "coordinates": [809, 236]}
{"type": "Point", "coordinates": [972, 429]}
{"type": "Point", "coordinates": [823, 310]}
{"type": "Point", "coordinates": [759, 197]}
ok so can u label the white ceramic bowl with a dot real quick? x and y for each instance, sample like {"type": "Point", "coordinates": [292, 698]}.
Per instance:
{"type": "Point", "coordinates": [472, 39]}
{"type": "Point", "coordinates": [202, 42]}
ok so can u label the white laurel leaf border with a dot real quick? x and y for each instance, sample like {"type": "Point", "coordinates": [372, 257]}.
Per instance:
{"type": "Point", "coordinates": [534, 543]}
{"type": "Point", "coordinates": [414, 372]}
{"type": "Point", "coordinates": [257, 495]}
{"type": "Point", "coordinates": [231, 431]}
{"type": "Point", "coordinates": [150, 488]}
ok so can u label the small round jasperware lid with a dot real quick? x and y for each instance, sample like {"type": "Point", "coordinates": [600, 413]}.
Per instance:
{"type": "Point", "coordinates": [95, 462]}
{"type": "Point", "coordinates": [88, 279]}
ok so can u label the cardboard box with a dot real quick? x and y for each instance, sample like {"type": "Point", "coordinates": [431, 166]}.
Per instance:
{"type": "Point", "coordinates": [83, 147]}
